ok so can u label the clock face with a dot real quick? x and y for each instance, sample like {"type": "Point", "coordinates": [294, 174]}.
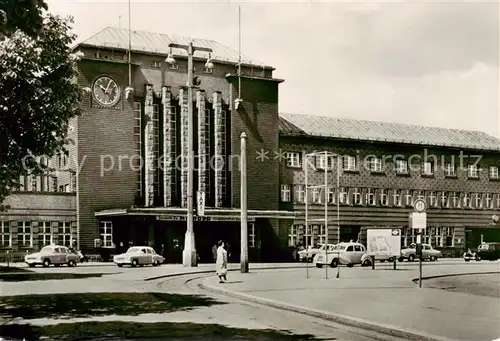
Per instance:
{"type": "Point", "coordinates": [106, 91]}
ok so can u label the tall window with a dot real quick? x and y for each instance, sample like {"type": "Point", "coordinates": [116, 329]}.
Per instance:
{"type": "Point", "coordinates": [285, 193]}
{"type": "Point", "coordinates": [324, 162]}
{"type": "Point", "coordinates": [472, 171]}
{"type": "Point", "coordinates": [401, 167]}
{"type": "Point", "coordinates": [343, 196]}
{"type": "Point", "coordinates": [316, 197]}
{"type": "Point", "coordinates": [466, 200]}
{"type": "Point", "coordinates": [357, 196]}
{"type": "Point", "coordinates": [349, 163]}
{"type": "Point", "coordinates": [370, 197]}
{"type": "Point", "coordinates": [375, 164]}
{"type": "Point", "coordinates": [408, 198]}
{"type": "Point", "coordinates": [299, 194]}
{"type": "Point", "coordinates": [331, 195]}
{"type": "Point", "coordinates": [322, 234]}
{"type": "Point", "coordinates": [432, 199]}
{"type": "Point", "coordinates": [427, 168]}
{"type": "Point", "coordinates": [488, 201]}
{"type": "Point", "coordinates": [293, 159]}
{"type": "Point", "coordinates": [156, 150]}
{"type": "Point", "coordinates": [6, 237]}
{"type": "Point", "coordinates": [293, 235]}
{"type": "Point", "coordinates": [455, 199]}
{"type": "Point", "coordinates": [449, 169]}
{"type": "Point", "coordinates": [251, 235]}
{"type": "Point", "coordinates": [44, 234]}
{"type": "Point", "coordinates": [73, 181]}
{"type": "Point", "coordinates": [384, 197]}
{"type": "Point", "coordinates": [493, 172]}
{"type": "Point", "coordinates": [498, 200]}
{"type": "Point", "coordinates": [397, 197]}
{"type": "Point", "coordinates": [137, 149]}
{"type": "Point", "coordinates": [64, 233]}
{"type": "Point", "coordinates": [444, 200]}
{"type": "Point", "coordinates": [106, 233]}
{"type": "Point", "coordinates": [24, 234]}
{"type": "Point", "coordinates": [478, 201]}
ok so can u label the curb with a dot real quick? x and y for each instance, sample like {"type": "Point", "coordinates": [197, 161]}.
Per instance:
{"type": "Point", "coordinates": [178, 274]}
{"type": "Point", "coordinates": [415, 280]}
{"type": "Point", "coordinates": [338, 318]}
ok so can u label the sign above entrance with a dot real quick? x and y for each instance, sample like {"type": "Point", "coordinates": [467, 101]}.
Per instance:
{"type": "Point", "coordinates": [166, 217]}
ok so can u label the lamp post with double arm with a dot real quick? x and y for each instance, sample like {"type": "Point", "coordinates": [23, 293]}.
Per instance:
{"type": "Point", "coordinates": [189, 257]}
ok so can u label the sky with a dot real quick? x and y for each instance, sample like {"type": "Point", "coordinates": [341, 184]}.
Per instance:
{"type": "Point", "coordinates": [424, 63]}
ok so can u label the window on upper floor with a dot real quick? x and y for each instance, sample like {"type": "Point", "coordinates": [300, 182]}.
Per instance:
{"type": "Point", "coordinates": [285, 193]}
{"type": "Point", "coordinates": [331, 195]}
{"type": "Point", "coordinates": [397, 197]}
{"type": "Point", "coordinates": [370, 197]}
{"type": "Point", "coordinates": [493, 172]}
{"type": "Point", "coordinates": [349, 163]}
{"type": "Point", "coordinates": [408, 198]}
{"type": "Point", "coordinates": [433, 199]}
{"type": "Point", "coordinates": [299, 194]}
{"type": "Point", "coordinates": [488, 202]}
{"type": "Point", "coordinates": [427, 168]}
{"type": "Point", "coordinates": [445, 200]}
{"type": "Point", "coordinates": [316, 195]}
{"type": "Point", "coordinates": [357, 196]}
{"type": "Point", "coordinates": [466, 200]}
{"type": "Point", "coordinates": [343, 196]}
{"type": "Point", "coordinates": [293, 159]}
{"type": "Point", "coordinates": [455, 199]}
{"type": "Point", "coordinates": [472, 171]}
{"type": "Point", "coordinates": [384, 197]}
{"type": "Point", "coordinates": [374, 164]}
{"type": "Point", "coordinates": [449, 169]}
{"type": "Point", "coordinates": [401, 167]}
{"type": "Point", "coordinates": [478, 200]}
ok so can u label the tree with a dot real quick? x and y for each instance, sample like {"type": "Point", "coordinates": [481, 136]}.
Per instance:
{"type": "Point", "coordinates": [38, 87]}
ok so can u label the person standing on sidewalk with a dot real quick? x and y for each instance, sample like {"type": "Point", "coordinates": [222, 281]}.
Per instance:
{"type": "Point", "coordinates": [221, 262]}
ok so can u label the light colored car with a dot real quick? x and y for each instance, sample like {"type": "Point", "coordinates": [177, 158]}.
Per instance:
{"type": "Point", "coordinates": [52, 254]}
{"type": "Point", "coordinates": [366, 260]}
{"type": "Point", "coordinates": [308, 255]}
{"type": "Point", "coordinates": [139, 256]}
{"type": "Point", "coordinates": [470, 255]}
{"type": "Point", "coordinates": [348, 254]}
{"type": "Point", "coordinates": [428, 252]}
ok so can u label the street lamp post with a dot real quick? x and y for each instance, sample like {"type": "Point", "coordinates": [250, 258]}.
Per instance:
{"type": "Point", "coordinates": [189, 257]}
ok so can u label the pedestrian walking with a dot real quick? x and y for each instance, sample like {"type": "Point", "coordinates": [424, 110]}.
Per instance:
{"type": "Point", "coordinates": [221, 263]}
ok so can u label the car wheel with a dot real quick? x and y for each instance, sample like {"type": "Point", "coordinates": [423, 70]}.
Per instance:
{"type": "Point", "coordinates": [382, 261]}
{"type": "Point", "coordinates": [31, 265]}
{"type": "Point", "coordinates": [334, 263]}
{"type": "Point", "coordinates": [135, 263]}
{"type": "Point", "coordinates": [401, 259]}
{"type": "Point", "coordinates": [120, 265]}
{"type": "Point", "coordinates": [46, 263]}
{"type": "Point", "coordinates": [433, 258]}
{"type": "Point", "coordinates": [411, 258]}
{"type": "Point", "coordinates": [391, 259]}
{"type": "Point", "coordinates": [467, 260]}
{"type": "Point", "coordinates": [72, 263]}
{"type": "Point", "coordinates": [366, 262]}
{"type": "Point", "coordinates": [350, 265]}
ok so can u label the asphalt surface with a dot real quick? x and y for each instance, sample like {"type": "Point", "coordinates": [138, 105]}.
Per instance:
{"type": "Point", "coordinates": [482, 285]}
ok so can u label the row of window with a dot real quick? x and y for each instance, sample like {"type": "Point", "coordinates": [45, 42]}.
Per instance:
{"type": "Point", "coordinates": [48, 233]}
{"type": "Point", "coordinates": [46, 183]}
{"type": "Point", "coordinates": [385, 197]}
{"type": "Point", "coordinates": [376, 165]}
{"type": "Point", "coordinates": [316, 233]}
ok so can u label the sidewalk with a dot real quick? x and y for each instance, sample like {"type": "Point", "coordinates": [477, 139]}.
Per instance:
{"type": "Point", "coordinates": [383, 300]}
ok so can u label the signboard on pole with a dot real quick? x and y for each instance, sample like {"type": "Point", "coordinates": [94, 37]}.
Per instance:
{"type": "Point", "coordinates": [200, 200]}
{"type": "Point", "coordinates": [418, 221]}
{"type": "Point", "coordinates": [383, 242]}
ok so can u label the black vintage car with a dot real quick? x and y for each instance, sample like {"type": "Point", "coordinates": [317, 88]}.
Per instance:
{"type": "Point", "coordinates": [488, 251]}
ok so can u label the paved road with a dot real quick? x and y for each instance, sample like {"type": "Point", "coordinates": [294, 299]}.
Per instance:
{"type": "Point", "coordinates": [482, 285]}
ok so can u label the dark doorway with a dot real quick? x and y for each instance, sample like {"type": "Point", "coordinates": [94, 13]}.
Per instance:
{"type": "Point", "coordinates": [207, 234]}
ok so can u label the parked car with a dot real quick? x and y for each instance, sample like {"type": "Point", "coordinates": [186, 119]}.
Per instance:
{"type": "Point", "coordinates": [366, 260]}
{"type": "Point", "coordinates": [139, 256]}
{"type": "Point", "coordinates": [428, 252]}
{"type": "Point", "coordinates": [348, 254]}
{"type": "Point", "coordinates": [308, 255]}
{"type": "Point", "coordinates": [52, 255]}
{"type": "Point", "coordinates": [488, 251]}
{"type": "Point", "coordinates": [82, 257]}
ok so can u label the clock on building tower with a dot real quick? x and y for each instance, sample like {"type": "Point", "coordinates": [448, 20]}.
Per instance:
{"type": "Point", "coordinates": [106, 91]}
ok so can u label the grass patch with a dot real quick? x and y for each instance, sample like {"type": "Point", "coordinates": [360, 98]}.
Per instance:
{"type": "Point", "coordinates": [43, 276]}
{"type": "Point", "coordinates": [64, 306]}
{"type": "Point", "coordinates": [10, 269]}
{"type": "Point", "coordinates": [133, 330]}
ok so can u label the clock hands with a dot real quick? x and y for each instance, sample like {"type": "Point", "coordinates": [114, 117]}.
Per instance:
{"type": "Point", "coordinates": [107, 88]}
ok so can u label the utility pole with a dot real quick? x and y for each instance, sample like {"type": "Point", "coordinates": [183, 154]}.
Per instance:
{"type": "Point", "coordinates": [189, 257]}
{"type": "Point", "coordinates": [243, 204]}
